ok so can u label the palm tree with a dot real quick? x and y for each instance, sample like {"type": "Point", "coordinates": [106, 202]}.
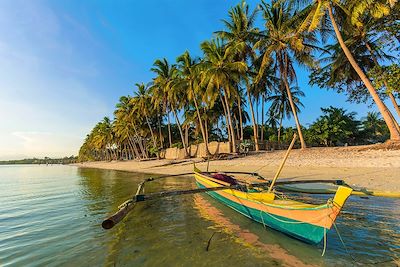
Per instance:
{"type": "Point", "coordinates": [176, 98]}
{"type": "Point", "coordinates": [162, 84]}
{"type": "Point", "coordinates": [280, 104]}
{"type": "Point", "coordinates": [190, 82]}
{"type": "Point", "coordinates": [240, 32]}
{"type": "Point", "coordinates": [103, 138]}
{"type": "Point", "coordinates": [264, 87]}
{"type": "Point", "coordinates": [222, 71]}
{"type": "Point", "coordinates": [374, 126]}
{"type": "Point", "coordinates": [377, 52]}
{"type": "Point", "coordinates": [125, 118]}
{"type": "Point", "coordinates": [272, 120]}
{"type": "Point", "coordinates": [317, 13]}
{"type": "Point", "coordinates": [283, 44]}
{"type": "Point", "coordinates": [141, 105]}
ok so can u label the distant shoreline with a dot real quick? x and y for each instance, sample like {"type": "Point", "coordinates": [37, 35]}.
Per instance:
{"type": "Point", "coordinates": [38, 161]}
{"type": "Point", "coordinates": [372, 168]}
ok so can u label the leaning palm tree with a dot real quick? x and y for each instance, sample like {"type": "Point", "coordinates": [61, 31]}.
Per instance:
{"type": "Point", "coordinates": [369, 35]}
{"type": "Point", "coordinates": [280, 104]}
{"type": "Point", "coordinates": [317, 13]}
{"type": "Point", "coordinates": [241, 32]}
{"type": "Point", "coordinates": [283, 45]}
{"type": "Point", "coordinates": [221, 71]}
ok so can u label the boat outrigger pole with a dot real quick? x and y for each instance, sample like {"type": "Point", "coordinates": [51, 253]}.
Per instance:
{"type": "Point", "coordinates": [282, 164]}
{"type": "Point", "coordinates": [128, 205]}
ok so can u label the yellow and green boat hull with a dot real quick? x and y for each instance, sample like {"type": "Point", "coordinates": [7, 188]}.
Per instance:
{"type": "Point", "coordinates": [302, 221]}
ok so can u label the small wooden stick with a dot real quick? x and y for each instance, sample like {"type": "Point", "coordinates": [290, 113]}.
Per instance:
{"type": "Point", "coordinates": [282, 164]}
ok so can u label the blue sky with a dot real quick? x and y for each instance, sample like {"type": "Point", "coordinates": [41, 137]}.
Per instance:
{"type": "Point", "coordinates": [64, 64]}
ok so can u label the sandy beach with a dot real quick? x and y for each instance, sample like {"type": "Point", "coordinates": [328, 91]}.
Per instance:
{"type": "Point", "coordinates": [359, 166]}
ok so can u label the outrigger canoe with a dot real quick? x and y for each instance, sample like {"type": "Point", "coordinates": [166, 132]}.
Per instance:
{"type": "Point", "coordinates": [303, 221]}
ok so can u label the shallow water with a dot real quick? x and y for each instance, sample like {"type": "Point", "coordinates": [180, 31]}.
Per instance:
{"type": "Point", "coordinates": [51, 216]}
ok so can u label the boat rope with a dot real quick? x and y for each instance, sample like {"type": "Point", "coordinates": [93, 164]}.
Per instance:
{"type": "Point", "coordinates": [262, 218]}
{"type": "Point", "coordinates": [323, 251]}
{"type": "Point", "coordinates": [392, 259]}
{"type": "Point", "coordinates": [343, 244]}
{"type": "Point", "coordinates": [325, 238]}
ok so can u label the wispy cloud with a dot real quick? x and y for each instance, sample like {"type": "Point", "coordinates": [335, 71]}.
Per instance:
{"type": "Point", "coordinates": [47, 102]}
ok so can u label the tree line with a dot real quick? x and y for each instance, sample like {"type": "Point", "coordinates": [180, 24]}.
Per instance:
{"type": "Point", "coordinates": [45, 160]}
{"type": "Point", "coordinates": [349, 46]}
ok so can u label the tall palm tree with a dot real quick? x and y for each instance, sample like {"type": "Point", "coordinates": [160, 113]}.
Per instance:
{"type": "Point", "coordinates": [283, 45]}
{"type": "Point", "coordinates": [280, 104]}
{"type": "Point", "coordinates": [142, 105]}
{"type": "Point", "coordinates": [162, 84]}
{"type": "Point", "coordinates": [221, 71]}
{"type": "Point", "coordinates": [190, 82]}
{"type": "Point", "coordinates": [377, 52]}
{"type": "Point", "coordinates": [176, 98]}
{"type": "Point", "coordinates": [242, 33]}
{"type": "Point", "coordinates": [265, 85]}
{"type": "Point", "coordinates": [316, 16]}
{"type": "Point", "coordinates": [338, 73]}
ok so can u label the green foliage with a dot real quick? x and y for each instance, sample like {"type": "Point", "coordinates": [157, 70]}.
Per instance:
{"type": "Point", "coordinates": [390, 74]}
{"type": "Point", "coordinates": [374, 128]}
{"type": "Point", "coordinates": [334, 127]}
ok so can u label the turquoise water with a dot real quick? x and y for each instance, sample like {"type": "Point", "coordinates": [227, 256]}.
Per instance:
{"type": "Point", "coordinates": [51, 216]}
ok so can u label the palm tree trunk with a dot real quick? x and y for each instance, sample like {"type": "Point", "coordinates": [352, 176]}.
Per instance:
{"type": "Point", "coordinates": [151, 131]}
{"type": "Point", "coordinates": [180, 132]}
{"type": "Point", "coordinates": [279, 129]}
{"type": "Point", "coordinates": [169, 131]}
{"type": "Point", "coordinates": [226, 120]}
{"type": "Point", "coordinates": [252, 117]}
{"type": "Point", "coordinates": [296, 119]}
{"type": "Point", "coordinates": [133, 147]}
{"type": "Point", "coordinates": [236, 126]}
{"type": "Point", "coordinates": [206, 128]}
{"type": "Point", "coordinates": [283, 67]}
{"type": "Point", "coordinates": [187, 135]}
{"type": "Point", "coordinates": [394, 133]}
{"type": "Point", "coordinates": [201, 123]}
{"type": "Point", "coordinates": [396, 106]}
{"type": "Point", "coordinates": [142, 150]}
{"type": "Point", "coordinates": [240, 118]}
{"type": "Point", "coordinates": [262, 117]}
{"type": "Point", "coordinates": [230, 122]}
{"type": "Point", "coordinates": [159, 130]}
{"type": "Point", "coordinates": [394, 102]}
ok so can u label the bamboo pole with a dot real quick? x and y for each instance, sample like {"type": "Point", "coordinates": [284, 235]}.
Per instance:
{"type": "Point", "coordinates": [282, 164]}
{"type": "Point", "coordinates": [128, 205]}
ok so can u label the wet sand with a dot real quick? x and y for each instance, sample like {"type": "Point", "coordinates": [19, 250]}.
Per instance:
{"type": "Point", "coordinates": [359, 166]}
